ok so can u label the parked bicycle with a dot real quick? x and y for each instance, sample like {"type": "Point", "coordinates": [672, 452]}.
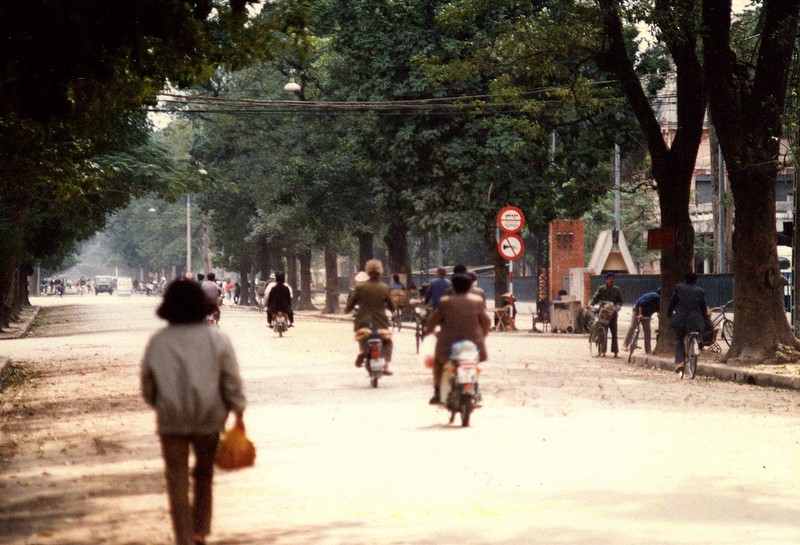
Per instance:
{"type": "Point", "coordinates": [633, 346]}
{"type": "Point", "coordinates": [420, 315]}
{"type": "Point", "coordinates": [723, 322]}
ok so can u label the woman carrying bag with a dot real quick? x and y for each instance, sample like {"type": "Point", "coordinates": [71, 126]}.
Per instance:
{"type": "Point", "coordinates": [190, 376]}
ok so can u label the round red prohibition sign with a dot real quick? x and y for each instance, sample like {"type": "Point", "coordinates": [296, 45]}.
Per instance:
{"type": "Point", "coordinates": [511, 219]}
{"type": "Point", "coordinates": [510, 246]}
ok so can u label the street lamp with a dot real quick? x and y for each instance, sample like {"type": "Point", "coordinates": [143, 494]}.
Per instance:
{"type": "Point", "coordinates": [292, 86]}
{"type": "Point", "coordinates": [203, 172]}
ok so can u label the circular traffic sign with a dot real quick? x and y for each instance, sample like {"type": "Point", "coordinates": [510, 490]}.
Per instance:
{"type": "Point", "coordinates": [510, 246]}
{"type": "Point", "coordinates": [511, 219]}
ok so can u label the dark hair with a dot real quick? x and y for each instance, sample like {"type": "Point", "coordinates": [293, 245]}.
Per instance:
{"type": "Point", "coordinates": [459, 269]}
{"type": "Point", "coordinates": [200, 277]}
{"type": "Point", "coordinates": [211, 277]}
{"type": "Point", "coordinates": [396, 277]}
{"type": "Point", "coordinates": [185, 303]}
{"type": "Point", "coordinates": [462, 283]}
{"type": "Point", "coordinates": [690, 277]}
{"type": "Point", "coordinates": [280, 277]}
{"type": "Point", "coordinates": [562, 292]}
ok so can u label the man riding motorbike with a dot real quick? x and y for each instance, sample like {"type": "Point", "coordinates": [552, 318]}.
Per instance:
{"type": "Point", "coordinates": [372, 299]}
{"type": "Point", "coordinates": [280, 300]}
{"type": "Point", "coordinates": [462, 316]}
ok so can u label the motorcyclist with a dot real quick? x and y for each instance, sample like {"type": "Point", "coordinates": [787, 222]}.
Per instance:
{"type": "Point", "coordinates": [610, 293]}
{"type": "Point", "coordinates": [372, 299]}
{"type": "Point", "coordinates": [212, 292]}
{"type": "Point", "coordinates": [462, 316]}
{"type": "Point", "coordinates": [280, 300]}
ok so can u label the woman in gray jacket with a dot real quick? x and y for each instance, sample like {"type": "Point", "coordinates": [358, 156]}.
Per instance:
{"type": "Point", "coordinates": [190, 376]}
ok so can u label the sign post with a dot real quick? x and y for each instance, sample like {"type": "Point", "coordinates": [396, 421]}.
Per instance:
{"type": "Point", "coordinates": [510, 220]}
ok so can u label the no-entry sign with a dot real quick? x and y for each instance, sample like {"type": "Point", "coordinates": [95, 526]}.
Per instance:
{"type": "Point", "coordinates": [510, 246]}
{"type": "Point", "coordinates": [511, 219]}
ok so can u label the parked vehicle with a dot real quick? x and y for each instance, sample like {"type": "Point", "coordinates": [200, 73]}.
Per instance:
{"type": "Point", "coordinates": [103, 284]}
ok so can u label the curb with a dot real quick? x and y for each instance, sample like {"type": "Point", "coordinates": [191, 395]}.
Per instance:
{"type": "Point", "coordinates": [740, 375]}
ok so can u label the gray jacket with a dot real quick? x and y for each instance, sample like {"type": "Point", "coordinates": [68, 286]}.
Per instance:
{"type": "Point", "coordinates": [191, 377]}
{"type": "Point", "coordinates": [687, 308]}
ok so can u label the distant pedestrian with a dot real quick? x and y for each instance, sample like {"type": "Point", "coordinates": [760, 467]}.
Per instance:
{"type": "Point", "coordinates": [190, 376]}
{"type": "Point", "coordinates": [437, 288]}
{"type": "Point", "coordinates": [609, 293]}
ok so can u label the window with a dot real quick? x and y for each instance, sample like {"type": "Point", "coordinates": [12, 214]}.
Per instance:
{"type": "Point", "coordinates": [702, 189]}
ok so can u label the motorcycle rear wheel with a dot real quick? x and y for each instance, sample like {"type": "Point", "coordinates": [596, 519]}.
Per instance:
{"type": "Point", "coordinates": [466, 411]}
{"type": "Point", "coordinates": [373, 381]}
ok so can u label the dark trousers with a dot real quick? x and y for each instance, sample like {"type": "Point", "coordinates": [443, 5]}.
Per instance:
{"type": "Point", "coordinates": [612, 328]}
{"type": "Point", "coordinates": [189, 518]}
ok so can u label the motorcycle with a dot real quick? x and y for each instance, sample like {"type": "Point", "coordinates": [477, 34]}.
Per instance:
{"type": "Point", "coordinates": [461, 375]}
{"type": "Point", "coordinates": [372, 351]}
{"type": "Point", "coordinates": [280, 323]}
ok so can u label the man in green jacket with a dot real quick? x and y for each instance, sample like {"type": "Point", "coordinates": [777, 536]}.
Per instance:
{"type": "Point", "coordinates": [372, 299]}
{"type": "Point", "coordinates": [610, 293]}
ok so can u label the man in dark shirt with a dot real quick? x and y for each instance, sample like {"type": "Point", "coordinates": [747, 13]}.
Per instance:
{"type": "Point", "coordinates": [279, 300]}
{"type": "Point", "coordinates": [610, 293]}
{"type": "Point", "coordinates": [437, 288]}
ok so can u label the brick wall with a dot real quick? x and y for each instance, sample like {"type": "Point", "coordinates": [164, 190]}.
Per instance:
{"type": "Point", "coordinates": [566, 252]}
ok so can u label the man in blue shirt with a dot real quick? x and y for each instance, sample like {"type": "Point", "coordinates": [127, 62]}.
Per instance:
{"type": "Point", "coordinates": [437, 288]}
{"type": "Point", "coordinates": [643, 309]}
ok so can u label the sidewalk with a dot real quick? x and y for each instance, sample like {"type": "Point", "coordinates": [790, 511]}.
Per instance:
{"type": "Point", "coordinates": [16, 330]}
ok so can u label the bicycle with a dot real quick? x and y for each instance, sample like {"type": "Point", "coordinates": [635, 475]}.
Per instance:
{"type": "Point", "coordinates": [420, 315]}
{"type": "Point", "coordinates": [722, 322]}
{"type": "Point", "coordinates": [633, 346]}
{"type": "Point", "coordinates": [692, 344]}
{"type": "Point", "coordinates": [598, 335]}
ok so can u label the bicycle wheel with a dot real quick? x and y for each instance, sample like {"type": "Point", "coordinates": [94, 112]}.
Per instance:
{"type": "Point", "coordinates": [691, 357]}
{"type": "Point", "coordinates": [597, 341]}
{"type": "Point", "coordinates": [727, 331]}
{"type": "Point", "coordinates": [632, 347]}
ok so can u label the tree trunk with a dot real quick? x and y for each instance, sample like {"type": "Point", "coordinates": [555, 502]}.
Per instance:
{"type": "Point", "coordinates": [365, 248]}
{"type": "Point", "coordinates": [291, 276]}
{"type": "Point", "coordinates": [747, 107]}
{"type": "Point", "coordinates": [397, 243]}
{"type": "Point", "coordinates": [331, 281]}
{"type": "Point", "coordinates": [304, 302]}
{"type": "Point", "coordinates": [500, 264]}
{"type": "Point", "coordinates": [244, 283]}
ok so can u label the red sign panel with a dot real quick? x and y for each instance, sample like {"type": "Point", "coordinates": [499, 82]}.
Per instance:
{"type": "Point", "coordinates": [661, 239]}
{"type": "Point", "coordinates": [511, 219]}
{"type": "Point", "coordinates": [511, 246]}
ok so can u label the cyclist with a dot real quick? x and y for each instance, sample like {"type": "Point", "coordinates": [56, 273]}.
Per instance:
{"type": "Point", "coordinates": [687, 311]}
{"type": "Point", "coordinates": [610, 293]}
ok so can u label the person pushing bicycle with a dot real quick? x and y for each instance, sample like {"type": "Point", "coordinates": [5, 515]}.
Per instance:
{"type": "Point", "coordinates": [687, 312]}
{"type": "Point", "coordinates": [610, 293]}
{"type": "Point", "coordinates": [643, 309]}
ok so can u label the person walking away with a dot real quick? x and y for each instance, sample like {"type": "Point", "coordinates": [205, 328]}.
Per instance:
{"type": "Point", "coordinates": [461, 316]}
{"type": "Point", "coordinates": [610, 293]}
{"type": "Point", "coordinates": [280, 300]}
{"type": "Point", "coordinates": [237, 293]}
{"type": "Point", "coordinates": [643, 310]}
{"type": "Point", "coordinates": [373, 299]}
{"type": "Point", "coordinates": [687, 312]}
{"type": "Point", "coordinates": [190, 376]}
{"type": "Point", "coordinates": [436, 288]}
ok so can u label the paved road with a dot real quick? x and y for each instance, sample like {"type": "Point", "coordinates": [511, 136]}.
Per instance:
{"type": "Point", "coordinates": [567, 449]}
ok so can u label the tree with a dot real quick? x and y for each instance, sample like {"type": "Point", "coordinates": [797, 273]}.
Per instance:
{"type": "Point", "coordinates": [678, 27]}
{"type": "Point", "coordinates": [75, 75]}
{"type": "Point", "coordinates": [747, 104]}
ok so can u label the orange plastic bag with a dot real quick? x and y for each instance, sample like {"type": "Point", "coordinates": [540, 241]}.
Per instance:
{"type": "Point", "coordinates": [235, 450]}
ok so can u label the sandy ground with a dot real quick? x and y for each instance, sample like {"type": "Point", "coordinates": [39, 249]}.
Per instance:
{"type": "Point", "coordinates": [567, 448]}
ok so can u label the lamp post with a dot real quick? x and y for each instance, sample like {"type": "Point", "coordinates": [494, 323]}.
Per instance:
{"type": "Point", "coordinates": [188, 233]}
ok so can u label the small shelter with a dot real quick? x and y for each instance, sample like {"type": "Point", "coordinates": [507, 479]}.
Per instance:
{"type": "Point", "coordinates": [611, 254]}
